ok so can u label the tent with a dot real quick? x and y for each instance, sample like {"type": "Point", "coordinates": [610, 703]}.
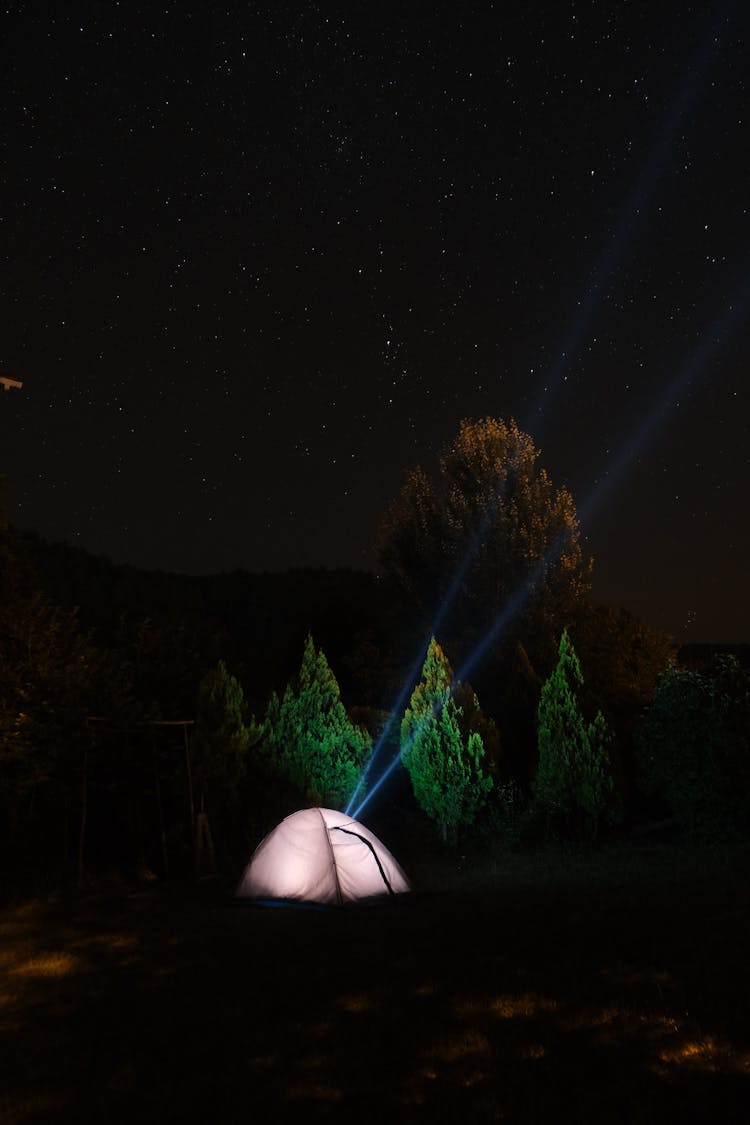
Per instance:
{"type": "Point", "coordinates": [321, 856]}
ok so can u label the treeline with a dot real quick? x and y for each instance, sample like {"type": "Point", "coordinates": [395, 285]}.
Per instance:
{"type": "Point", "coordinates": [103, 711]}
{"type": "Point", "coordinates": [147, 721]}
{"type": "Point", "coordinates": [159, 723]}
{"type": "Point", "coordinates": [195, 620]}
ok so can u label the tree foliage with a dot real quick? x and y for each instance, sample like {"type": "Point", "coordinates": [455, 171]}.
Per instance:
{"type": "Point", "coordinates": [51, 676]}
{"type": "Point", "coordinates": [623, 658]}
{"type": "Point", "coordinates": [441, 753]}
{"type": "Point", "coordinates": [52, 680]}
{"type": "Point", "coordinates": [694, 748]}
{"type": "Point", "coordinates": [220, 740]}
{"type": "Point", "coordinates": [308, 737]}
{"type": "Point", "coordinates": [573, 788]}
{"type": "Point", "coordinates": [491, 516]}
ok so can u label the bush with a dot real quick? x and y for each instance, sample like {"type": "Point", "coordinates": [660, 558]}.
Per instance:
{"type": "Point", "coordinates": [693, 749]}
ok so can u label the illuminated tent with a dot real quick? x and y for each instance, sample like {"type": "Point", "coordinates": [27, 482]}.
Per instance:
{"type": "Point", "coordinates": [318, 855]}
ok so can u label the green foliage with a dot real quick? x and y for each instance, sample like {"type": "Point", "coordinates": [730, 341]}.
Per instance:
{"type": "Point", "coordinates": [623, 658]}
{"type": "Point", "coordinates": [220, 741]}
{"type": "Point", "coordinates": [693, 748]}
{"type": "Point", "coordinates": [443, 757]}
{"type": "Point", "coordinates": [572, 789]}
{"type": "Point", "coordinates": [473, 720]}
{"type": "Point", "coordinates": [309, 739]}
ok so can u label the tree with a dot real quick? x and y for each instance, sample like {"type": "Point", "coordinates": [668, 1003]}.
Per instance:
{"type": "Point", "coordinates": [218, 747]}
{"type": "Point", "coordinates": [693, 748]}
{"type": "Point", "coordinates": [623, 658]}
{"type": "Point", "coordinates": [442, 760]}
{"type": "Point", "coordinates": [48, 673]}
{"type": "Point", "coordinates": [52, 679]}
{"type": "Point", "coordinates": [309, 739]}
{"type": "Point", "coordinates": [486, 536]}
{"type": "Point", "coordinates": [572, 789]}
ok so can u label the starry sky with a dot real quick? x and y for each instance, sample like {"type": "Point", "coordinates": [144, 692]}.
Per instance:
{"type": "Point", "coordinates": [259, 259]}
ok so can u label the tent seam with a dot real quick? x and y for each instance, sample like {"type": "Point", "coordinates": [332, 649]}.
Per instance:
{"type": "Point", "coordinates": [339, 896]}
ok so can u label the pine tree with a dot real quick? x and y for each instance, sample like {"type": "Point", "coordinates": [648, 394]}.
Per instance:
{"type": "Point", "coordinates": [443, 763]}
{"type": "Point", "coordinates": [218, 764]}
{"type": "Point", "coordinates": [573, 787]}
{"type": "Point", "coordinates": [219, 745]}
{"type": "Point", "coordinates": [309, 737]}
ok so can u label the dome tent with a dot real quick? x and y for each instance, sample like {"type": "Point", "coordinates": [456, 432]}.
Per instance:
{"type": "Point", "coordinates": [321, 856]}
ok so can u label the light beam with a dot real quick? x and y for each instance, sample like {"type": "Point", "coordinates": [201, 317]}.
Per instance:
{"type": "Point", "coordinates": [694, 368]}
{"type": "Point", "coordinates": [695, 80]}
{"type": "Point", "coordinates": [696, 74]}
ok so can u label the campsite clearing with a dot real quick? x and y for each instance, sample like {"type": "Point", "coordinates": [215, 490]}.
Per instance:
{"type": "Point", "coordinates": [612, 988]}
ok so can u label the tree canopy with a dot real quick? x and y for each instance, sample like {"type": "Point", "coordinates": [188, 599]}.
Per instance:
{"type": "Point", "coordinates": [489, 534]}
{"type": "Point", "coordinates": [220, 741]}
{"type": "Point", "coordinates": [442, 757]}
{"type": "Point", "coordinates": [573, 786]}
{"type": "Point", "coordinates": [693, 742]}
{"type": "Point", "coordinates": [308, 737]}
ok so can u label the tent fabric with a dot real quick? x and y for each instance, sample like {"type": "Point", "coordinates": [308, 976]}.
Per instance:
{"type": "Point", "coordinates": [318, 855]}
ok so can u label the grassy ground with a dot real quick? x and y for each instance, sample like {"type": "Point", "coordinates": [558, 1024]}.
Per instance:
{"type": "Point", "coordinates": [539, 988]}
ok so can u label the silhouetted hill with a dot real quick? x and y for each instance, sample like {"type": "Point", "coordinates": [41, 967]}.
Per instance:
{"type": "Point", "coordinates": [257, 621]}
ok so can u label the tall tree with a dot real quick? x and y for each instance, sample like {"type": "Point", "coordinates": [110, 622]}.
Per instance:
{"type": "Point", "coordinates": [487, 535]}
{"type": "Point", "coordinates": [573, 786]}
{"type": "Point", "coordinates": [218, 747]}
{"type": "Point", "coordinates": [443, 761]}
{"type": "Point", "coordinates": [218, 764]}
{"type": "Point", "coordinates": [308, 737]}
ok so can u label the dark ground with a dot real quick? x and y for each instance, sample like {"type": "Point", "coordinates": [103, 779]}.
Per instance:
{"type": "Point", "coordinates": [607, 988]}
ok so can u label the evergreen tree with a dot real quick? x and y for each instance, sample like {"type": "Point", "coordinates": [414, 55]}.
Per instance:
{"type": "Point", "coordinates": [309, 738]}
{"type": "Point", "coordinates": [573, 787]}
{"type": "Point", "coordinates": [443, 762]}
{"type": "Point", "coordinates": [218, 765]}
{"type": "Point", "coordinates": [219, 745]}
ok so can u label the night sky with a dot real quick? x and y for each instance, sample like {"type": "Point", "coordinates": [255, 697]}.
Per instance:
{"type": "Point", "coordinates": [259, 259]}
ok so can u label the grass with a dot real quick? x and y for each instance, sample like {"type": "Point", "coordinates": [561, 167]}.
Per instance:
{"type": "Point", "coordinates": [544, 987]}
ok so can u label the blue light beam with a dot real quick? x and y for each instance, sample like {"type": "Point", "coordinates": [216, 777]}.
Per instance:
{"type": "Point", "coordinates": [696, 75]}
{"type": "Point", "coordinates": [694, 368]}
{"type": "Point", "coordinates": [696, 72]}
{"type": "Point", "coordinates": [470, 554]}
{"type": "Point", "coordinates": [689, 373]}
